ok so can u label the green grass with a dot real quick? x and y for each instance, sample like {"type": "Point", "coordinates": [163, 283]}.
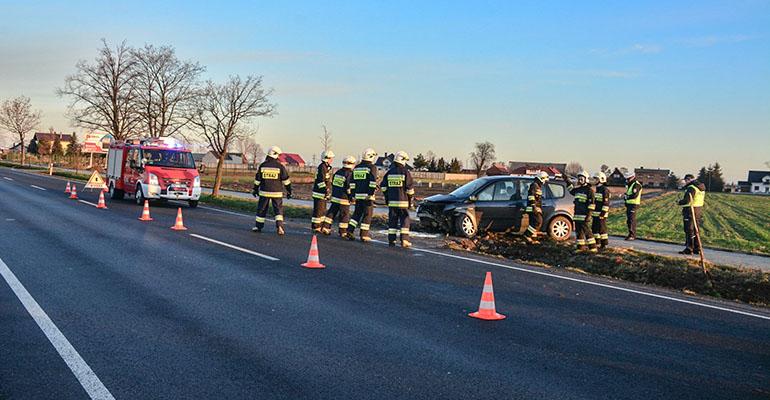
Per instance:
{"type": "Point", "coordinates": [72, 175]}
{"type": "Point", "coordinates": [730, 221]}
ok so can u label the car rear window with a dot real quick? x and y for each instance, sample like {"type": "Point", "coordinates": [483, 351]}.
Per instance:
{"type": "Point", "coordinates": [555, 191]}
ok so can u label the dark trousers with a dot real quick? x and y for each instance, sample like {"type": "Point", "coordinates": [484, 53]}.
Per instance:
{"type": "Point", "coordinates": [631, 219]}
{"type": "Point", "coordinates": [599, 229]}
{"type": "Point", "coordinates": [319, 211]}
{"type": "Point", "coordinates": [398, 222]}
{"type": "Point", "coordinates": [583, 233]}
{"type": "Point", "coordinates": [690, 239]}
{"type": "Point", "coordinates": [362, 217]}
{"type": "Point", "coordinates": [262, 204]}
{"type": "Point", "coordinates": [344, 216]}
{"type": "Point", "coordinates": [535, 223]}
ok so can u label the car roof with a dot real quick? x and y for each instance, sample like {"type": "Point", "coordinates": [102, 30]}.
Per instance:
{"type": "Point", "coordinates": [512, 176]}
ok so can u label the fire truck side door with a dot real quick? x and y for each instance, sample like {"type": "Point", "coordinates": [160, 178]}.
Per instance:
{"type": "Point", "coordinates": [131, 169]}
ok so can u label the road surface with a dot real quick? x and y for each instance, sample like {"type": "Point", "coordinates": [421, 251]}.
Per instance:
{"type": "Point", "coordinates": [96, 304]}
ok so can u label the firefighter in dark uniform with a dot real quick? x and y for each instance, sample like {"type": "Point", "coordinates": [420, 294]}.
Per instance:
{"type": "Point", "coordinates": [322, 190]}
{"type": "Point", "coordinates": [692, 206]}
{"type": "Point", "coordinates": [364, 187]}
{"type": "Point", "coordinates": [535, 207]}
{"type": "Point", "coordinates": [269, 183]}
{"type": "Point", "coordinates": [342, 195]}
{"type": "Point", "coordinates": [398, 188]}
{"type": "Point", "coordinates": [633, 197]}
{"type": "Point", "coordinates": [584, 205]}
{"type": "Point", "coordinates": [601, 210]}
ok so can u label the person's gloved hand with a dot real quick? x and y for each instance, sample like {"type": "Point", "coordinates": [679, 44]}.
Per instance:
{"type": "Point", "coordinates": [288, 195]}
{"type": "Point", "coordinates": [254, 192]}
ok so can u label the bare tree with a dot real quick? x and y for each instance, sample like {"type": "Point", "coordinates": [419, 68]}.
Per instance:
{"type": "Point", "coordinates": [165, 86]}
{"type": "Point", "coordinates": [104, 93]}
{"type": "Point", "coordinates": [17, 116]}
{"type": "Point", "coordinates": [252, 150]}
{"type": "Point", "coordinates": [605, 168]}
{"type": "Point", "coordinates": [482, 156]}
{"type": "Point", "coordinates": [573, 168]}
{"type": "Point", "coordinates": [220, 113]}
{"type": "Point", "coordinates": [326, 139]}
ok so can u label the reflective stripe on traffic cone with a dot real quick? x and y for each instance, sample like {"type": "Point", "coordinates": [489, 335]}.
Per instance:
{"type": "Point", "coordinates": [312, 256]}
{"type": "Point", "coordinates": [179, 225]}
{"type": "Point", "coordinates": [74, 192]}
{"type": "Point", "coordinates": [146, 212]}
{"type": "Point", "coordinates": [487, 305]}
{"type": "Point", "coordinates": [67, 189]}
{"type": "Point", "coordinates": [101, 201]}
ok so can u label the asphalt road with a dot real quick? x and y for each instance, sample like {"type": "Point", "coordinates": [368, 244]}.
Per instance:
{"type": "Point", "coordinates": [128, 309]}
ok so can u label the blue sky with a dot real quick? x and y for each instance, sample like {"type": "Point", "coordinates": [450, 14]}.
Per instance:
{"type": "Point", "coordinates": [670, 84]}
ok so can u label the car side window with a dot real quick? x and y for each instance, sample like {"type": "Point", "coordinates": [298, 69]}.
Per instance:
{"type": "Point", "coordinates": [487, 194]}
{"type": "Point", "coordinates": [507, 191]}
{"type": "Point", "coordinates": [555, 191]}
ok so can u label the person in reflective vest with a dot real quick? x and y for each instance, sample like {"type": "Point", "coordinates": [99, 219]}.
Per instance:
{"type": "Point", "coordinates": [364, 187]}
{"type": "Point", "coordinates": [269, 183]}
{"type": "Point", "coordinates": [322, 190]}
{"type": "Point", "coordinates": [342, 195]}
{"type": "Point", "coordinates": [601, 210]}
{"type": "Point", "coordinates": [584, 205]}
{"type": "Point", "coordinates": [692, 207]}
{"type": "Point", "coordinates": [633, 197]}
{"type": "Point", "coordinates": [398, 188]}
{"type": "Point", "coordinates": [535, 207]}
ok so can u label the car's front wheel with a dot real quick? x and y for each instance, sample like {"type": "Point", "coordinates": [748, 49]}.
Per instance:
{"type": "Point", "coordinates": [193, 203]}
{"type": "Point", "coordinates": [560, 228]}
{"type": "Point", "coordinates": [465, 226]}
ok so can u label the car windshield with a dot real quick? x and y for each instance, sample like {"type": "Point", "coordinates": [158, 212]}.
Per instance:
{"type": "Point", "coordinates": [468, 189]}
{"type": "Point", "coordinates": [168, 158]}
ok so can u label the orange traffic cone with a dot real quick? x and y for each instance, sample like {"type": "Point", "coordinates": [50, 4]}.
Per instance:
{"type": "Point", "coordinates": [487, 305]}
{"type": "Point", "coordinates": [101, 201]}
{"type": "Point", "coordinates": [74, 193]}
{"type": "Point", "coordinates": [179, 225]}
{"type": "Point", "coordinates": [312, 257]}
{"type": "Point", "coordinates": [67, 189]}
{"type": "Point", "coordinates": [146, 212]}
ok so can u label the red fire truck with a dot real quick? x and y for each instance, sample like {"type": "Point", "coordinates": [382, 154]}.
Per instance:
{"type": "Point", "coordinates": [151, 169]}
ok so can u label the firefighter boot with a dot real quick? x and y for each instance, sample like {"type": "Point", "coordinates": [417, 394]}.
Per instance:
{"type": "Point", "coordinates": [256, 229]}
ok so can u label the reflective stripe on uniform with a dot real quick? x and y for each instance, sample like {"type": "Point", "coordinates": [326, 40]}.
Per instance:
{"type": "Point", "coordinates": [410, 192]}
{"type": "Point", "coordinates": [362, 196]}
{"type": "Point", "coordinates": [321, 185]}
{"type": "Point", "coordinates": [343, 225]}
{"type": "Point", "coordinates": [531, 229]}
{"type": "Point", "coordinates": [364, 227]}
{"type": "Point", "coordinates": [286, 182]}
{"type": "Point", "coordinates": [595, 213]}
{"type": "Point", "coordinates": [392, 231]}
{"type": "Point", "coordinates": [398, 204]}
{"type": "Point", "coordinates": [404, 231]}
{"type": "Point", "coordinates": [316, 220]}
{"type": "Point", "coordinates": [581, 242]}
{"type": "Point", "coordinates": [279, 217]}
{"type": "Point", "coordinates": [328, 220]}
{"type": "Point", "coordinates": [579, 217]}
{"type": "Point", "coordinates": [319, 196]}
{"type": "Point", "coordinates": [260, 219]}
{"type": "Point", "coordinates": [270, 194]}
{"type": "Point", "coordinates": [353, 223]}
{"type": "Point", "coordinates": [591, 241]}
{"type": "Point", "coordinates": [344, 202]}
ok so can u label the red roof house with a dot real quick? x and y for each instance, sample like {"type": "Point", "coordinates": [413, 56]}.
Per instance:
{"type": "Point", "coordinates": [292, 159]}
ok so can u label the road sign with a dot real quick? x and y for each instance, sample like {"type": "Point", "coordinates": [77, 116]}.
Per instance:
{"type": "Point", "coordinates": [96, 143]}
{"type": "Point", "coordinates": [95, 182]}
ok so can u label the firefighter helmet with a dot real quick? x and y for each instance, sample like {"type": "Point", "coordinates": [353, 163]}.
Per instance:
{"type": "Point", "coordinates": [543, 176]}
{"type": "Point", "coordinates": [601, 177]}
{"type": "Point", "coordinates": [349, 162]}
{"type": "Point", "coordinates": [369, 155]}
{"type": "Point", "coordinates": [327, 155]}
{"type": "Point", "coordinates": [401, 157]}
{"type": "Point", "coordinates": [629, 174]}
{"type": "Point", "coordinates": [274, 152]}
{"type": "Point", "coordinates": [584, 174]}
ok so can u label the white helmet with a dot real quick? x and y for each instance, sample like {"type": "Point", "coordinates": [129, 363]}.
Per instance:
{"type": "Point", "coordinates": [327, 155]}
{"type": "Point", "coordinates": [543, 176]}
{"type": "Point", "coordinates": [601, 177]}
{"type": "Point", "coordinates": [401, 157]}
{"type": "Point", "coordinates": [349, 162]}
{"type": "Point", "coordinates": [629, 174]}
{"type": "Point", "coordinates": [274, 152]}
{"type": "Point", "coordinates": [583, 174]}
{"type": "Point", "coordinates": [368, 155]}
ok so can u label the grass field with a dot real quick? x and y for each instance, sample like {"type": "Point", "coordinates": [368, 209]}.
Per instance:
{"type": "Point", "coordinates": [730, 221]}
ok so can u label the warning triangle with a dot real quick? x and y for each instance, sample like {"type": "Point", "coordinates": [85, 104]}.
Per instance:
{"type": "Point", "coordinates": [95, 181]}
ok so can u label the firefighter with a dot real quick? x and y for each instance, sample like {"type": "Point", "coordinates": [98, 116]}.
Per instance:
{"type": "Point", "coordinates": [322, 187]}
{"type": "Point", "coordinates": [601, 210]}
{"type": "Point", "coordinates": [269, 184]}
{"type": "Point", "coordinates": [364, 186]}
{"type": "Point", "coordinates": [397, 186]}
{"type": "Point", "coordinates": [633, 197]}
{"type": "Point", "coordinates": [692, 207]}
{"type": "Point", "coordinates": [342, 195]}
{"type": "Point", "coordinates": [584, 205]}
{"type": "Point", "coordinates": [535, 207]}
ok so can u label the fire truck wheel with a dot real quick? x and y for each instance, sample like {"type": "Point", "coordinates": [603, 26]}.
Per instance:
{"type": "Point", "coordinates": [115, 194]}
{"type": "Point", "coordinates": [193, 203]}
{"type": "Point", "coordinates": [139, 195]}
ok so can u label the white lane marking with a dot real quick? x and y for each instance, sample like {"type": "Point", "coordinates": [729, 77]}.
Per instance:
{"type": "Point", "coordinates": [232, 213]}
{"type": "Point", "coordinates": [87, 202]}
{"type": "Point", "coordinates": [7, 178]}
{"type": "Point", "coordinates": [87, 378]}
{"type": "Point", "coordinates": [254, 253]}
{"type": "Point", "coordinates": [38, 187]}
{"type": "Point", "coordinates": [604, 285]}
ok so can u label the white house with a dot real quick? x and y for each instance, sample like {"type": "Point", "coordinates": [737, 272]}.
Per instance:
{"type": "Point", "coordinates": [759, 182]}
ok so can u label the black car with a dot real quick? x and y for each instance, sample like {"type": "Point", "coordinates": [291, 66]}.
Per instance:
{"type": "Point", "coordinates": [497, 204]}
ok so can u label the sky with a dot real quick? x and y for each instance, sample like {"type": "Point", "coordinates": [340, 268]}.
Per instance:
{"type": "Point", "coordinates": [658, 84]}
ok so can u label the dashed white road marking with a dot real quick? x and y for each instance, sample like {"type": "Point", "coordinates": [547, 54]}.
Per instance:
{"type": "Point", "coordinates": [604, 285]}
{"type": "Point", "coordinates": [7, 178]}
{"type": "Point", "coordinates": [38, 187]}
{"type": "Point", "coordinates": [233, 213]}
{"type": "Point", "coordinates": [247, 251]}
{"type": "Point", "coordinates": [84, 374]}
{"type": "Point", "coordinates": [87, 202]}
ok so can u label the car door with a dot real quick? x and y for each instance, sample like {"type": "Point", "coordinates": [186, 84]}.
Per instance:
{"type": "Point", "coordinates": [496, 204]}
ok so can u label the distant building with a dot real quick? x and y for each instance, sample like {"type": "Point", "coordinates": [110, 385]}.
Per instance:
{"type": "Point", "coordinates": [743, 187]}
{"type": "Point", "coordinates": [384, 162]}
{"type": "Point", "coordinates": [498, 169]}
{"type": "Point", "coordinates": [531, 167]}
{"type": "Point", "coordinates": [49, 137]}
{"type": "Point", "coordinates": [291, 159]}
{"type": "Point", "coordinates": [551, 171]}
{"type": "Point", "coordinates": [759, 182]}
{"type": "Point", "coordinates": [210, 159]}
{"type": "Point", "coordinates": [616, 178]}
{"type": "Point", "coordinates": [652, 178]}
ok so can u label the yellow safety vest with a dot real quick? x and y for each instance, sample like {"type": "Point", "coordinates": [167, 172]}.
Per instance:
{"type": "Point", "coordinates": [698, 198]}
{"type": "Point", "coordinates": [630, 191]}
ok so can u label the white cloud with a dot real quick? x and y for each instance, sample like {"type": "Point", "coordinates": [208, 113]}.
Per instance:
{"type": "Point", "coordinates": [713, 40]}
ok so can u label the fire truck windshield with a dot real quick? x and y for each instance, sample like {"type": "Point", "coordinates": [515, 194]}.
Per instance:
{"type": "Point", "coordinates": [168, 158]}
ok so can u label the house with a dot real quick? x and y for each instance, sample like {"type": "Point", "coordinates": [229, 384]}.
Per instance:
{"type": "Point", "coordinates": [291, 159]}
{"type": "Point", "coordinates": [50, 137]}
{"type": "Point", "coordinates": [530, 168]}
{"type": "Point", "coordinates": [743, 187]}
{"type": "Point", "coordinates": [383, 163]}
{"type": "Point", "coordinates": [652, 178]}
{"type": "Point", "coordinates": [498, 169]}
{"type": "Point", "coordinates": [616, 178]}
{"type": "Point", "coordinates": [759, 182]}
{"type": "Point", "coordinates": [210, 159]}
{"type": "Point", "coordinates": [525, 170]}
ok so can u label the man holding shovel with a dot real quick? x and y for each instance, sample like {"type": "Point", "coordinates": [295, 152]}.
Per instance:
{"type": "Point", "coordinates": [692, 213]}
